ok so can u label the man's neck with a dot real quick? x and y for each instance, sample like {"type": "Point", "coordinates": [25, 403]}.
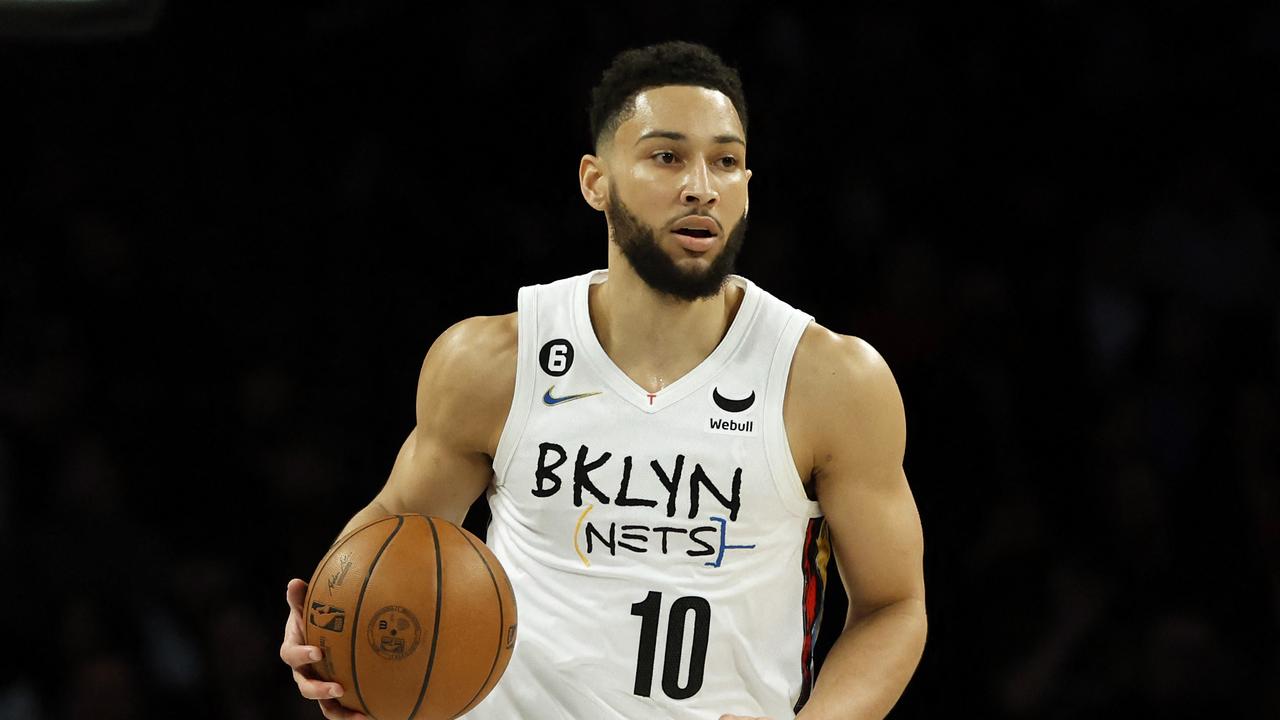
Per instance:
{"type": "Point", "coordinates": [653, 338]}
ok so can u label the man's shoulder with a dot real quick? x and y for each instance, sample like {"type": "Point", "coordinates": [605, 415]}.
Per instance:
{"type": "Point", "coordinates": [846, 404]}
{"type": "Point", "coordinates": [838, 374]}
{"type": "Point", "coordinates": [467, 380]}
{"type": "Point", "coordinates": [824, 353]}
{"type": "Point", "coordinates": [480, 334]}
{"type": "Point", "coordinates": [475, 354]}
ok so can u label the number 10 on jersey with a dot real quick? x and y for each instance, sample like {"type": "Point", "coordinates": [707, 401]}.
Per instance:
{"type": "Point", "coordinates": [648, 610]}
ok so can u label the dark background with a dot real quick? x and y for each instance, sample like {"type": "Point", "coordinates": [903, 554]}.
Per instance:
{"type": "Point", "coordinates": [228, 234]}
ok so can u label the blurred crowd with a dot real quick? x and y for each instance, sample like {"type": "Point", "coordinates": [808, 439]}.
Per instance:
{"type": "Point", "coordinates": [211, 325]}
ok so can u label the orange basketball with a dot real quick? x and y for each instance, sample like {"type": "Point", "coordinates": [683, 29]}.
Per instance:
{"type": "Point", "coordinates": [416, 618]}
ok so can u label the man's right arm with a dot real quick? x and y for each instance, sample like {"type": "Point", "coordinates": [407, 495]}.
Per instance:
{"type": "Point", "coordinates": [464, 392]}
{"type": "Point", "coordinates": [465, 389]}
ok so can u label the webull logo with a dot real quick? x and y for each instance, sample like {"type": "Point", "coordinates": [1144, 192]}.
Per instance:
{"type": "Point", "coordinates": [721, 425]}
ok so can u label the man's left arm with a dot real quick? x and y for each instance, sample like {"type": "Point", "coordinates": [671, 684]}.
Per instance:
{"type": "Point", "coordinates": [875, 527]}
{"type": "Point", "coordinates": [848, 398]}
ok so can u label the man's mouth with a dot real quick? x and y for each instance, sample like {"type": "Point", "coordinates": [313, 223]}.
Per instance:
{"type": "Point", "coordinates": [695, 232]}
{"type": "Point", "coordinates": [698, 241]}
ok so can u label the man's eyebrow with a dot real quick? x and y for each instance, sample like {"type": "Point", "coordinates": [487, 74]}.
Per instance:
{"type": "Point", "coordinates": [672, 135]}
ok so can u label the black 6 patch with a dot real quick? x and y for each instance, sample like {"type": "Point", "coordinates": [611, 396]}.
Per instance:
{"type": "Point", "coordinates": [556, 357]}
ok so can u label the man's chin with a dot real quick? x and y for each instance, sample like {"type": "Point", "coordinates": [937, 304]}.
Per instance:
{"type": "Point", "coordinates": [693, 285]}
{"type": "Point", "coordinates": [675, 269]}
{"type": "Point", "coordinates": [694, 263]}
{"type": "Point", "coordinates": [695, 267]}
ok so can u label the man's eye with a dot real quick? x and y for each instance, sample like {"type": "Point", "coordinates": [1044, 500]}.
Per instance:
{"type": "Point", "coordinates": [664, 154]}
{"type": "Point", "coordinates": [729, 161]}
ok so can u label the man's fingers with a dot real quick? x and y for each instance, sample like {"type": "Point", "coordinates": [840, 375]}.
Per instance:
{"type": "Point", "coordinates": [300, 656]}
{"type": "Point", "coordinates": [334, 711]}
{"type": "Point", "coordinates": [297, 656]}
{"type": "Point", "coordinates": [316, 689]}
{"type": "Point", "coordinates": [296, 593]}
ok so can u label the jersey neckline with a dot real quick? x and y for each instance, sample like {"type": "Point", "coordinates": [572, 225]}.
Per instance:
{"type": "Point", "coordinates": [627, 388]}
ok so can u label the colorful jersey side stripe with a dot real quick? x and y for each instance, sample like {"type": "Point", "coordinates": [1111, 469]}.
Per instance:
{"type": "Point", "coordinates": [817, 548]}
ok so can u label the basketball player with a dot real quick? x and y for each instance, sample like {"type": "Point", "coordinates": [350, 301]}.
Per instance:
{"type": "Point", "coordinates": [666, 449]}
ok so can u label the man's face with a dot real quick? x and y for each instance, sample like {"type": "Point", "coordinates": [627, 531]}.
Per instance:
{"type": "Point", "coordinates": [679, 159]}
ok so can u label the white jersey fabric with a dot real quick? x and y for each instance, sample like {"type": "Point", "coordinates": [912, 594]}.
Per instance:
{"type": "Point", "coordinates": [665, 559]}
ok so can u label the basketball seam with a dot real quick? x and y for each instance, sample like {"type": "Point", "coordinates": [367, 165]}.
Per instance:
{"type": "Point", "coordinates": [355, 631]}
{"type": "Point", "coordinates": [502, 622]}
{"type": "Point", "coordinates": [435, 634]}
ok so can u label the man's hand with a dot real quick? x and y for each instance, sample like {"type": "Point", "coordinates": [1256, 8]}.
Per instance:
{"type": "Point", "coordinates": [300, 657]}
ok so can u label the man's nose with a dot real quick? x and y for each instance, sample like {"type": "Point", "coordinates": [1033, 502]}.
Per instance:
{"type": "Point", "coordinates": [698, 187]}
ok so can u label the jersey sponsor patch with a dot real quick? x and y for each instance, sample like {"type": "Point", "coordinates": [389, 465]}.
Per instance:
{"type": "Point", "coordinates": [731, 426]}
{"type": "Point", "coordinates": [731, 405]}
{"type": "Point", "coordinates": [732, 411]}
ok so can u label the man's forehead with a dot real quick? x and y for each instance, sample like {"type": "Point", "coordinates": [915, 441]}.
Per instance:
{"type": "Point", "coordinates": [695, 112]}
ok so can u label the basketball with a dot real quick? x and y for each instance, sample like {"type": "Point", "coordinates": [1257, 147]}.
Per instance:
{"type": "Point", "coordinates": [415, 616]}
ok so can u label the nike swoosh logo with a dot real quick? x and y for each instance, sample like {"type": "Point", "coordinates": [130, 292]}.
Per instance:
{"type": "Point", "coordinates": [548, 399]}
{"type": "Point", "coordinates": [733, 406]}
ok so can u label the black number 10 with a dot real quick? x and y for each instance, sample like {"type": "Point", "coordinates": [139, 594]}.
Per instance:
{"type": "Point", "coordinates": [647, 610]}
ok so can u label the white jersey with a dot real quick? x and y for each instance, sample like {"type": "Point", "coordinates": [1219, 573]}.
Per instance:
{"type": "Point", "coordinates": [666, 560]}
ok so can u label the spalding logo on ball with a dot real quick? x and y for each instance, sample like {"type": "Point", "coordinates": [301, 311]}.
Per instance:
{"type": "Point", "coordinates": [416, 618]}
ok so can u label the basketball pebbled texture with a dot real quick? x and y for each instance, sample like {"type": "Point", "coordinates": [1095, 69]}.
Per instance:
{"type": "Point", "coordinates": [416, 618]}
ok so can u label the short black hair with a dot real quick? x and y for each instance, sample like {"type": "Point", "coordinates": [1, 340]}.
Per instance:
{"type": "Point", "coordinates": [671, 63]}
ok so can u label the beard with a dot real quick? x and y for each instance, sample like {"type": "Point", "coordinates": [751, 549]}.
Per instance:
{"type": "Point", "coordinates": [656, 268]}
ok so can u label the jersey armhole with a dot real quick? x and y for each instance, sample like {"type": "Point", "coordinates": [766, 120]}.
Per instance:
{"type": "Point", "coordinates": [782, 464]}
{"type": "Point", "coordinates": [522, 399]}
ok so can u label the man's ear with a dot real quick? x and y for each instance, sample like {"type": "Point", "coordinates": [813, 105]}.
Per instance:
{"type": "Point", "coordinates": [593, 181]}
